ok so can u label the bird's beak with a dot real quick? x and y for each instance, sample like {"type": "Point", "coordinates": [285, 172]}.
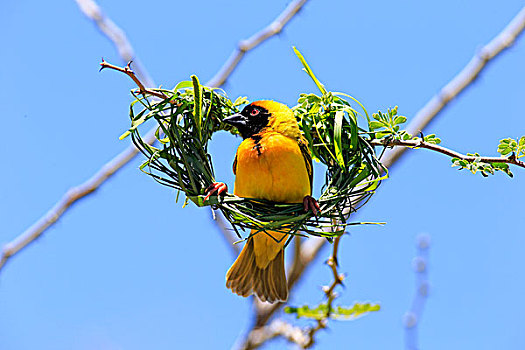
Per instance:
{"type": "Point", "coordinates": [237, 120]}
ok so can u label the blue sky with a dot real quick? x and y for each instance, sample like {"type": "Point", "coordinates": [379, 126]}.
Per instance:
{"type": "Point", "coordinates": [128, 268]}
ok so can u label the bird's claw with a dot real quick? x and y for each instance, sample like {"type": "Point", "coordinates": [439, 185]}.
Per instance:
{"type": "Point", "coordinates": [309, 203]}
{"type": "Point", "coordinates": [220, 188]}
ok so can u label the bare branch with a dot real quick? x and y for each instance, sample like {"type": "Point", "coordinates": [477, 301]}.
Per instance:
{"type": "Point", "coordinates": [68, 199]}
{"type": "Point", "coordinates": [255, 40]}
{"type": "Point", "coordinates": [277, 328]}
{"type": "Point", "coordinates": [118, 37]}
{"type": "Point", "coordinates": [413, 316]}
{"type": "Point", "coordinates": [460, 82]}
{"type": "Point", "coordinates": [433, 147]}
{"type": "Point", "coordinates": [225, 229]}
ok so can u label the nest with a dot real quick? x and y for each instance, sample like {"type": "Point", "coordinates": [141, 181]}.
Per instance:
{"type": "Point", "coordinates": [191, 113]}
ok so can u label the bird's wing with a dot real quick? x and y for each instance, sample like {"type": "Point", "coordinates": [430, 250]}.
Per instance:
{"type": "Point", "coordinates": [305, 151]}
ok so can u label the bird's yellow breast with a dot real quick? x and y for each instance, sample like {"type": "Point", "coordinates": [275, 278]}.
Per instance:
{"type": "Point", "coordinates": [271, 167]}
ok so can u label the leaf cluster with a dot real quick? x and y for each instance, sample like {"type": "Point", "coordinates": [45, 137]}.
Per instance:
{"type": "Point", "coordinates": [513, 148]}
{"type": "Point", "coordinates": [323, 311]}
{"type": "Point", "coordinates": [477, 165]}
{"type": "Point", "coordinates": [388, 125]}
{"type": "Point", "coordinates": [509, 146]}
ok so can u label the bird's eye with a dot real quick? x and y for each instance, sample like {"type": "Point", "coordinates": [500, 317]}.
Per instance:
{"type": "Point", "coordinates": [254, 112]}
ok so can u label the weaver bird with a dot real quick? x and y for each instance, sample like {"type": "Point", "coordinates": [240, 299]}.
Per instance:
{"type": "Point", "coordinates": [274, 163]}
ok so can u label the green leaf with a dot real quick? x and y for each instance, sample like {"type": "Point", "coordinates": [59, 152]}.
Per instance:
{"type": "Point", "coordinates": [503, 167]}
{"type": "Point", "coordinates": [504, 151]}
{"type": "Point", "coordinates": [356, 101]}
{"type": "Point", "coordinates": [309, 71]}
{"type": "Point", "coordinates": [353, 130]}
{"type": "Point", "coordinates": [183, 85]}
{"type": "Point", "coordinates": [400, 120]}
{"type": "Point", "coordinates": [507, 146]}
{"type": "Point", "coordinates": [432, 139]}
{"type": "Point", "coordinates": [375, 125]}
{"type": "Point", "coordinates": [241, 100]}
{"type": "Point", "coordinates": [197, 109]}
{"type": "Point", "coordinates": [338, 128]}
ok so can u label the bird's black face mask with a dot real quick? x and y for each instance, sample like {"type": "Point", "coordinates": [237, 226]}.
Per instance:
{"type": "Point", "coordinates": [250, 121]}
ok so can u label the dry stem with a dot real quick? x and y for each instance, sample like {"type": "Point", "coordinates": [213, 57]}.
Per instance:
{"type": "Point", "coordinates": [329, 292]}
{"type": "Point", "coordinates": [129, 72]}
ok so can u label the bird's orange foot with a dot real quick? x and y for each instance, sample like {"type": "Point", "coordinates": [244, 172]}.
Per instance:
{"type": "Point", "coordinates": [217, 187]}
{"type": "Point", "coordinates": [310, 203]}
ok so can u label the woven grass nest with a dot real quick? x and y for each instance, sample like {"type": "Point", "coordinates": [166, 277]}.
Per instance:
{"type": "Point", "coordinates": [191, 113]}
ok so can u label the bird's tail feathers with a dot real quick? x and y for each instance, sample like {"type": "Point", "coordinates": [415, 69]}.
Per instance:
{"type": "Point", "coordinates": [245, 277]}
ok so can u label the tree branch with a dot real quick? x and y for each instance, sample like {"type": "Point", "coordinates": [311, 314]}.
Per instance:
{"type": "Point", "coordinates": [228, 236]}
{"type": "Point", "coordinates": [460, 82]}
{"type": "Point", "coordinates": [255, 40]}
{"type": "Point", "coordinates": [277, 328]}
{"type": "Point", "coordinates": [116, 35]}
{"type": "Point", "coordinates": [119, 39]}
{"type": "Point", "coordinates": [413, 316]}
{"type": "Point", "coordinates": [433, 147]}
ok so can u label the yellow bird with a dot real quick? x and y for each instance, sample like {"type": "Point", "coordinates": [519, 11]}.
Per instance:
{"type": "Point", "coordinates": [274, 163]}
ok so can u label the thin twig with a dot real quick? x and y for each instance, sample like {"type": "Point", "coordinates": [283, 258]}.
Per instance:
{"type": "Point", "coordinates": [460, 82]}
{"type": "Point", "coordinates": [422, 118]}
{"type": "Point", "coordinates": [329, 292]}
{"type": "Point", "coordinates": [130, 73]}
{"type": "Point", "coordinates": [413, 316]}
{"type": "Point", "coordinates": [512, 159]}
{"type": "Point", "coordinates": [117, 36]}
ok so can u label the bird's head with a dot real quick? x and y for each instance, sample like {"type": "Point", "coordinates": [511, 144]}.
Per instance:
{"type": "Point", "coordinates": [260, 116]}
